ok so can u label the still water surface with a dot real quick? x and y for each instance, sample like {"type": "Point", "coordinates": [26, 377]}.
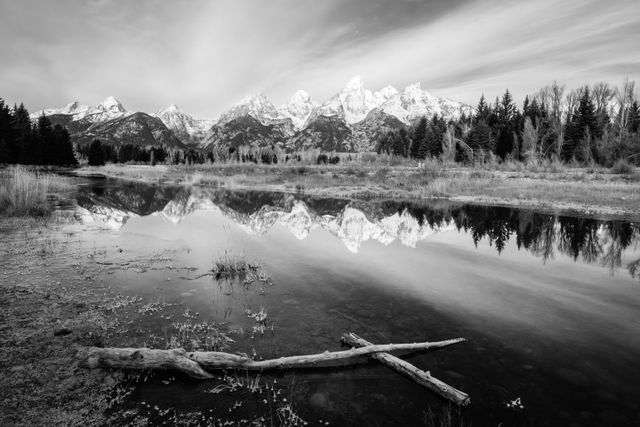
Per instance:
{"type": "Point", "coordinates": [549, 304]}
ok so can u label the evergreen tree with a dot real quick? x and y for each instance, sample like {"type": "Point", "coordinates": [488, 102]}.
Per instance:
{"type": "Point", "coordinates": [525, 106]}
{"type": "Point", "coordinates": [64, 148]}
{"type": "Point", "coordinates": [480, 137]}
{"type": "Point", "coordinates": [25, 145]}
{"type": "Point", "coordinates": [581, 126]}
{"type": "Point", "coordinates": [437, 127]}
{"type": "Point", "coordinates": [383, 145]}
{"type": "Point", "coordinates": [506, 126]}
{"type": "Point", "coordinates": [96, 155]}
{"type": "Point", "coordinates": [418, 139]}
{"type": "Point", "coordinates": [423, 150]}
{"type": "Point", "coordinates": [5, 152]}
{"type": "Point", "coordinates": [400, 143]}
{"type": "Point", "coordinates": [6, 135]}
{"type": "Point", "coordinates": [46, 151]}
{"type": "Point", "coordinates": [483, 112]}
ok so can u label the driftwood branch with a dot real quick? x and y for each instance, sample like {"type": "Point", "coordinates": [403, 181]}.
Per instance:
{"type": "Point", "coordinates": [217, 360]}
{"type": "Point", "coordinates": [421, 377]}
{"type": "Point", "coordinates": [192, 363]}
{"type": "Point", "coordinates": [141, 358]}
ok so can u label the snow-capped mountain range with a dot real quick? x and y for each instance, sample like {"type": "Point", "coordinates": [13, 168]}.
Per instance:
{"type": "Point", "coordinates": [108, 109]}
{"type": "Point", "coordinates": [352, 104]}
{"type": "Point", "coordinates": [255, 120]}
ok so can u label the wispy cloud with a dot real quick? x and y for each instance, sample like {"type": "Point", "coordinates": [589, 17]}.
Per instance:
{"type": "Point", "coordinates": [207, 55]}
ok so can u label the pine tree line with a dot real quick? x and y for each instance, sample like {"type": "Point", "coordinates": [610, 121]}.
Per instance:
{"type": "Point", "coordinates": [598, 125]}
{"type": "Point", "coordinates": [32, 144]}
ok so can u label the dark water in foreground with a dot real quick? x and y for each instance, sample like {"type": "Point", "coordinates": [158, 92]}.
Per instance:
{"type": "Point", "coordinates": [549, 304]}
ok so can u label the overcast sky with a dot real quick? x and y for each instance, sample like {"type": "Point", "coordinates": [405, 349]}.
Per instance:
{"type": "Point", "coordinates": [206, 55]}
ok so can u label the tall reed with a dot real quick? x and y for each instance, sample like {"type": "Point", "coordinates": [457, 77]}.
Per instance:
{"type": "Point", "coordinates": [24, 192]}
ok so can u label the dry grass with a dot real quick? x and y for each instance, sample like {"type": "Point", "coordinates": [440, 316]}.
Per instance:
{"type": "Point", "coordinates": [24, 192]}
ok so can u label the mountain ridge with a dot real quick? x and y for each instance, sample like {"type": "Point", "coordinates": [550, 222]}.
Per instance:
{"type": "Point", "coordinates": [350, 120]}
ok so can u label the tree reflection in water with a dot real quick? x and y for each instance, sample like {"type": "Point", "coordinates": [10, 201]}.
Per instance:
{"type": "Point", "coordinates": [588, 239]}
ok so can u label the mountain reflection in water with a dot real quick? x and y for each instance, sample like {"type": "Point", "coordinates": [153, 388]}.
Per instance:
{"type": "Point", "coordinates": [355, 222]}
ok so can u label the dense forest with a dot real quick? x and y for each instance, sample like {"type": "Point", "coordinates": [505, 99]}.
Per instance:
{"type": "Point", "coordinates": [39, 143]}
{"type": "Point", "coordinates": [591, 125]}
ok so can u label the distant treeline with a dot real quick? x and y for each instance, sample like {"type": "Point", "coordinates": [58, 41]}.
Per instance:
{"type": "Point", "coordinates": [32, 143]}
{"type": "Point", "coordinates": [98, 154]}
{"type": "Point", "coordinates": [590, 125]}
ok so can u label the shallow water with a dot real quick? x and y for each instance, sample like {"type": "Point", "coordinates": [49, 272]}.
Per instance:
{"type": "Point", "coordinates": [549, 304]}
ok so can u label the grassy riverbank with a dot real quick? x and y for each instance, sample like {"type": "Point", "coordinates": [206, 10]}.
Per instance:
{"type": "Point", "coordinates": [25, 192]}
{"type": "Point", "coordinates": [596, 191]}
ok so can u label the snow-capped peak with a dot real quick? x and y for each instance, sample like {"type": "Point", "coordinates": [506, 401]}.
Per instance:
{"type": "Point", "coordinates": [256, 105]}
{"type": "Point", "coordinates": [356, 101]}
{"type": "Point", "coordinates": [298, 109]}
{"type": "Point", "coordinates": [173, 108]}
{"type": "Point", "coordinates": [253, 98]}
{"type": "Point", "coordinates": [185, 127]}
{"type": "Point", "coordinates": [111, 104]}
{"type": "Point", "coordinates": [301, 97]}
{"type": "Point", "coordinates": [355, 84]}
{"type": "Point", "coordinates": [74, 108]}
{"type": "Point", "coordinates": [418, 102]}
{"type": "Point", "coordinates": [386, 93]}
{"type": "Point", "coordinates": [415, 88]}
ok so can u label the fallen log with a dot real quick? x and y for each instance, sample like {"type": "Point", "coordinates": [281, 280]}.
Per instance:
{"type": "Point", "coordinates": [140, 358]}
{"type": "Point", "coordinates": [421, 377]}
{"type": "Point", "coordinates": [192, 363]}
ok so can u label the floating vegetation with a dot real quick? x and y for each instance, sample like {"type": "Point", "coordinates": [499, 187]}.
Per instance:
{"type": "Point", "coordinates": [155, 306]}
{"type": "Point", "coordinates": [288, 417]}
{"type": "Point", "coordinates": [260, 318]}
{"type": "Point", "coordinates": [120, 301]}
{"type": "Point", "coordinates": [231, 265]}
{"type": "Point", "coordinates": [205, 336]}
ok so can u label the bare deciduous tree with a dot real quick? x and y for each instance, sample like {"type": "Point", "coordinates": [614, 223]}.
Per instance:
{"type": "Point", "coordinates": [449, 144]}
{"type": "Point", "coordinates": [530, 142]}
{"type": "Point", "coordinates": [557, 93]}
{"type": "Point", "coordinates": [624, 96]}
{"type": "Point", "coordinates": [602, 95]}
